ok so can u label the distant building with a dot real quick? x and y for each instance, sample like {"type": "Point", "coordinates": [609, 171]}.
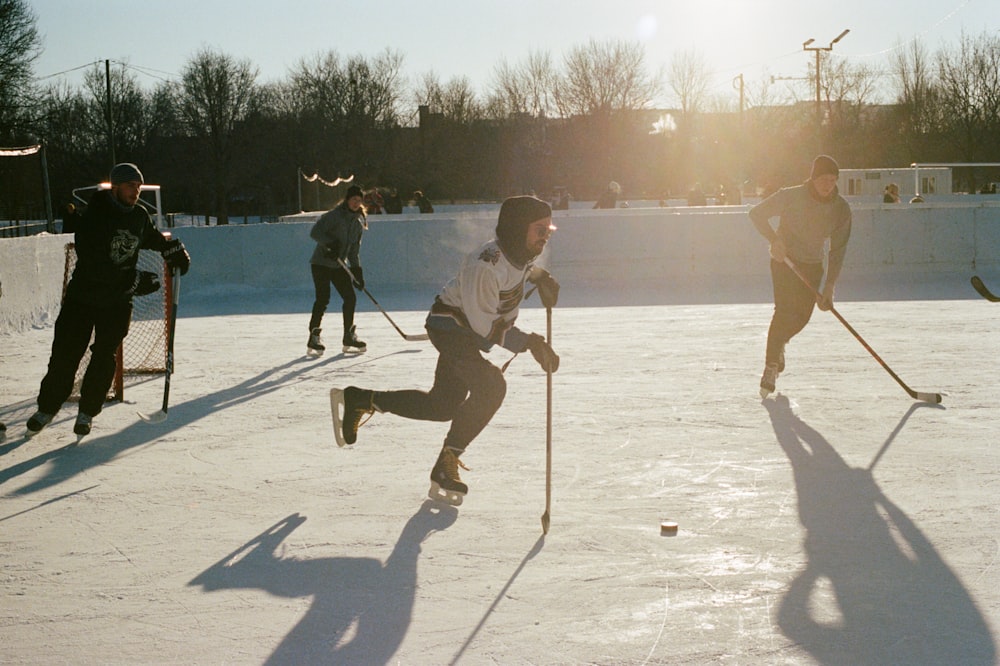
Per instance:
{"type": "Point", "coordinates": [870, 183]}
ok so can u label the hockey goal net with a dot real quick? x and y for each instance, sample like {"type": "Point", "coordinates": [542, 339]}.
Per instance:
{"type": "Point", "coordinates": [143, 352]}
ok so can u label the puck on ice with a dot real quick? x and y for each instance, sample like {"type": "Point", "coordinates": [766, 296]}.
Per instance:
{"type": "Point", "coordinates": [668, 528]}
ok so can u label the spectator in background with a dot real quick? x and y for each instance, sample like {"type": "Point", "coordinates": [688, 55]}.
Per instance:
{"type": "Point", "coordinates": [609, 198]}
{"type": "Point", "coordinates": [891, 193]}
{"type": "Point", "coordinates": [696, 196]}
{"type": "Point", "coordinates": [422, 202]}
{"type": "Point", "coordinates": [71, 219]}
{"type": "Point", "coordinates": [393, 204]}
{"type": "Point", "coordinates": [373, 201]}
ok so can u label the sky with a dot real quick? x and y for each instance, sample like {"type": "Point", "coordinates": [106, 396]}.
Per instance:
{"type": "Point", "coordinates": [452, 38]}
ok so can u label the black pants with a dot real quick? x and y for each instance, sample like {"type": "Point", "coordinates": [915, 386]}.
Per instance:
{"type": "Point", "coordinates": [74, 326]}
{"type": "Point", "coordinates": [793, 305]}
{"type": "Point", "coordinates": [468, 390]}
{"type": "Point", "coordinates": [323, 276]}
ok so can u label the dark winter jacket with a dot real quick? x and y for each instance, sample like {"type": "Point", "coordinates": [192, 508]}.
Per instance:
{"type": "Point", "coordinates": [108, 239]}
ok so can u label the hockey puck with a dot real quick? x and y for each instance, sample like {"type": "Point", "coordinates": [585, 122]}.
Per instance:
{"type": "Point", "coordinates": [668, 528]}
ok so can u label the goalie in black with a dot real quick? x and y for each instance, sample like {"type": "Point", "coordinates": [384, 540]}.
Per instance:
{"type": "Point", "coordinates": [99, 296]}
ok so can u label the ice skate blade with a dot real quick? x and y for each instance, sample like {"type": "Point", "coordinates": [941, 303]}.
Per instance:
{"type": "Point", "coordinates": [449, 497]}
{"type": "Point", "coordinates": [314, 353]}
{"type": "Point", "coordinates": [336, 407]}
{"type": "Point", "coordinates": [354, 350]}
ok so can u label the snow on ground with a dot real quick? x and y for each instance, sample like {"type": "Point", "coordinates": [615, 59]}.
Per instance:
{"type": "Point", "coordinates": [840, 522]}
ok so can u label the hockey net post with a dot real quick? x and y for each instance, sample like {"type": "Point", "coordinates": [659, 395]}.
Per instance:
{"type": "Point", "coordinates": [143, 352]}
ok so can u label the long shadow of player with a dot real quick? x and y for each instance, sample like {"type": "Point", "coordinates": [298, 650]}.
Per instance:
{"type": "Point", "coordinates": [893, 598]}
{"type": "Point", "coordinates": [69, 460]}
{"type": "Point", "coordinates": [373, 598]}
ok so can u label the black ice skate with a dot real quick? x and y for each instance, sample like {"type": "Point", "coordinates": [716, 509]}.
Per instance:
{"type": "Point", "coordinates": [315, 346]}
{"type": "Point", "coordinates": [348, 406]}
{"type": "Point", "coordinates": [82, 426]}
{"type": "Point", "coordinates": [352, 345]}
{"type": "Point", "coordinates": [38, 421]}
{"type": "Point", "coordinates": [446, 486]}
{"type": "Point", "coordinates": [768, 379]}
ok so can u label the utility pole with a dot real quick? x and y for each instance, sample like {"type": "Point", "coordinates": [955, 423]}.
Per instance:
{"type": "Point", "coordinates": [111, 122]}
{"type": "Point", "coordinates": [816, 50]}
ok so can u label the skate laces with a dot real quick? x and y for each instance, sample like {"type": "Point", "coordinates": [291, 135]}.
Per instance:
{"type": "Point", "coordinates": [451, 463]}
{"type": "Point", "coordinates": [362, 415]}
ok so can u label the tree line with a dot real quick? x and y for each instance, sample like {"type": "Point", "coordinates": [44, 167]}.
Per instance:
{"type": "Point", "coordinates": [221, 143]}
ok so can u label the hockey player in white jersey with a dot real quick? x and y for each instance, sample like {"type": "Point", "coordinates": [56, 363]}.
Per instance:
{"type": "Point", "coordinates": [474, 311]}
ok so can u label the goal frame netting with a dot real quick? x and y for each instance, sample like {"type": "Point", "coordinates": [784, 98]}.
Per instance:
{"type": "Point", "coordinates": [143, 352]}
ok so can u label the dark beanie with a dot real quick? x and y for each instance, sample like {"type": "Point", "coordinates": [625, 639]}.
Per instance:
{"type": "Point", "coordinates": [126, 172]}
{"type": "Point", "coordinates": [822, 165]}
{"type": "Point", "coordinates": [516, 213]}
{"type": "Point", "coordinates": [354, 191]}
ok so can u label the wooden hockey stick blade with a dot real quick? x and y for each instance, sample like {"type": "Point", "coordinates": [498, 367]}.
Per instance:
{"type": "Point", "coordinates": [983, 290]}
{"type": "Point", "coordinates": [545, 523]}
{"type": "Point", "coordinates": [416, 337]}
{"type": "Point", "coordinates": [156, 417]}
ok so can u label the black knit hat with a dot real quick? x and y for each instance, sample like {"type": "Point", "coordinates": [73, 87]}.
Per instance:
{"type": "Point", "coordinates": [823, 165]}
{"type": "Point", "coordinates": [354, 191]}
{"type": "Point", "coordinates": [516, 213]}
{"type": "Point", "coordinates": [126, 172]}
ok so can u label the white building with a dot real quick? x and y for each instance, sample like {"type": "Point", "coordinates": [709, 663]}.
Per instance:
{"type": "Point", "coordinates": [870, 184]}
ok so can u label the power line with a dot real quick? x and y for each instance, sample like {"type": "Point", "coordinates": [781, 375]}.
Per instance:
{"type": "Point", "coordinates": [913, 39]}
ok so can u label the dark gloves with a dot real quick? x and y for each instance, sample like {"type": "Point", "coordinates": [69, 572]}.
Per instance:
{"type": "Point", "coordinates": [359, 277]}
{"type": "Point", "coordinates": [176, 256]}
{"type": "Point", "coordinates": [548, 288]}
{"type": "Point", "coordinates": [144, 283]}
{"type": "Point", "coordinates": [543, 353]}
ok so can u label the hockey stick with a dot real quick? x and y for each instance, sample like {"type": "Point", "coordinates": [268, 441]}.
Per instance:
{"type": "Point", "coordinates": [548, 428]}
{"type": "Point", "coordinates": [980, 287]}
{"type": "Point", "coordinates": [916, 395]}
{"type": "Point", "coordinates": [161, 416]}
{"type": "Point", "coordinates": [417, 337]}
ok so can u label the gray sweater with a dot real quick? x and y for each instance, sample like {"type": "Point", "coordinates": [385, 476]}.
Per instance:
{"type": "Point", "coordinates": [804, 224]}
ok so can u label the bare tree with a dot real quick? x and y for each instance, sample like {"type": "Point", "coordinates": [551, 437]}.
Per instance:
{"type": "Point", "coordinates": [20, 46]}
{"type": "Point", "coordinates": [456, 100]}
{"type": "Point", "coordinates": [128, 107]}
{"type": "Point", "coordinates": [688, 79]}
{"type": "Point", "coordinates": [601, 78]}
{"type": "Point", "coordinates": [969, 76]}
{"type": "Point", "coordinates": [525, 88]}
{"type": "Point", "coordinates": [217, 94]}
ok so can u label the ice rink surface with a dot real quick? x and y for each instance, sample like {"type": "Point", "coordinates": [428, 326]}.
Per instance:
{"type": "Point", "coordinates": [838, 522]}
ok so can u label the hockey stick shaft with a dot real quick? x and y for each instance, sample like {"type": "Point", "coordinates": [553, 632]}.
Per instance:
{"type": "Point", "coordinates": [983, 290]}
{"type": "Point", "coordinates": [916, 395]}
{"type": "Point", "coordinates": [412, 338]}
{"type": "Point", "coordinates": [548, 429]}
{"type": "Point", "coordinates": [176, 296]}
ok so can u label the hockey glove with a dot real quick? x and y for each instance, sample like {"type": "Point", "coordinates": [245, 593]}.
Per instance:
{"type": "Point", "coordinates": [548, 288]}
{"type": "Point", "coordinates": [176, 256]}
{"type": "Point", "coordinates": [543, 353]}
{"type": "Point", "coordinates": [144, 283]}
{"type": "Point", "coordinates": [359, 277]}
